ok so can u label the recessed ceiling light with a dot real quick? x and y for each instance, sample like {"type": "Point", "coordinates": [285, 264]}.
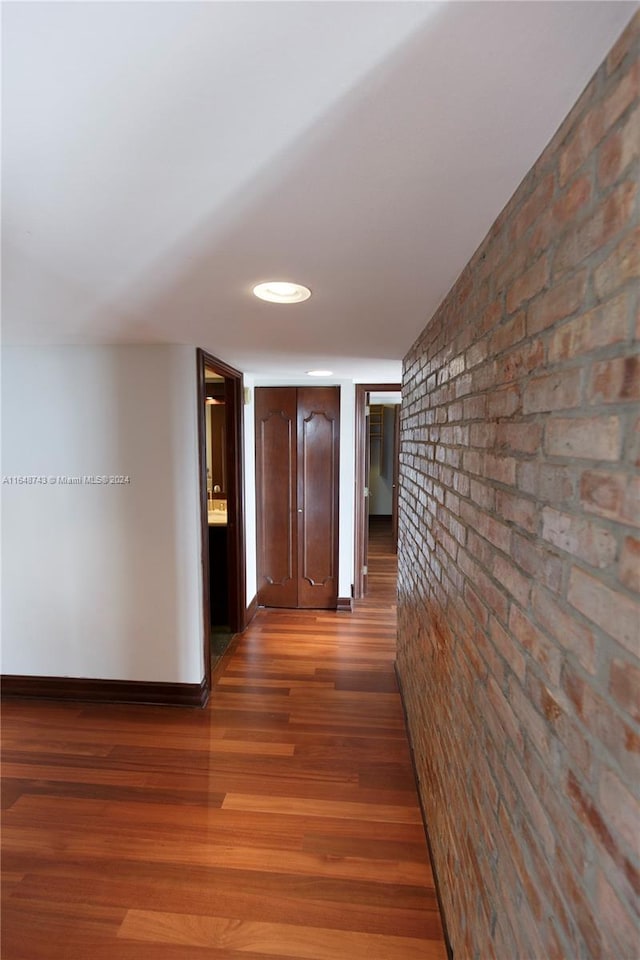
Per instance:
{"type": "Point", "coordinates": [281, 291]}
{"type": "Point", "coordinates": [320, 373]}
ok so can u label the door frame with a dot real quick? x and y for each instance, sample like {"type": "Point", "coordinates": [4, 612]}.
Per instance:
{"type": "Point", "coordinates": [236, 550]}
{"type": "Point", "coordinates": [362, 390]}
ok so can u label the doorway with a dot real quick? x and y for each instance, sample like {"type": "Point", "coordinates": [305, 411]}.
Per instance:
{"type": "Point", "coordinates": [220, 403]}
{"type": "Point", "coordinates": [377, 457]}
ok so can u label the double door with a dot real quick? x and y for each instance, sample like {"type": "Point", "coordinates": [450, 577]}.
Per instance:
{"type": "Point", "coordinates": [297, 476]}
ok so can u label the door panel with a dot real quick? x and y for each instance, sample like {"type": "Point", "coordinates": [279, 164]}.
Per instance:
{"type": "Point", "coordinates": [318, 451]}
{"type": "Point", "coordinates": [366, 493]}
{"type": "Point", "coordinates": [297, 464]}
{"type": "Point", "coordinates": [276, 472]}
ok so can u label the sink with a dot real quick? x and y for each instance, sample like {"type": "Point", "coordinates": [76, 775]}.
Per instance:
{"type": "Point", "coordinates": [217, 516]}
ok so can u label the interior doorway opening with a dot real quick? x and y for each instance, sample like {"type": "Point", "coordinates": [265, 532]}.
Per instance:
{"type": "Point", "coordinates": [220, 402]}
{"type": "Point", "coordinates": [377, 454]}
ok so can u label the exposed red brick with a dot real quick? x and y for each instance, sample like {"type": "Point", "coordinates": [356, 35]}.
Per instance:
{"type": "Point", "coordinates": [525, 358]}
{"type": "Point", "coordinates": [518, 570]}
{"type": "Point", "coordinates": [478, 610]}
{"type": "Point", "coordinates": [572, 201]}
{"type": "Point", "coordinates": [620, 149]}
{"type": "Point", "coordinates": [532, 639]}
{"type": "Point", "coordinates": [595, 438]}
{"type": "Point", "coordinates": [490, 317]}
{"type": "Point", "coordinates": [606, 725]}
{"type": "Point", "coordinates": [629, 570]}
{"type": "Point", "coordinates": [483, 377]}
{"type": "Point", "coordinates": [569, 634]}
{"type": "Point", "coordinates": [579, 536]}
{"type": "Point", "coordinates": [574, 687]}
{"type": "Point", "coordinates": [474, 408]}
{"type": "Point", "coordinates": [505, 646]}
{"type": "Point", "coordinates": [584, 140]}
{"type": "Point", "coordinates": [476, 353]}
{"type": "Point", "coordinates": [621, 266]}
{"type": "Point", "coordinates": [542, 235]}
{"type": "Point", "coordinates": [623, 46]}
{"type": "Point", "coordinates": [614, 613]}
{"type": "Point", "coordinates": [582, 910]}
{"type": "Point", "coordinates": [624, 686]}
{"type": "Point", "coordinates": [523, 513]}
{"type": "Point", "coordinates": [623, 95]}
{"type": "Point", "coordinates": [525, 286]}
{"type": "Point", "coordinates": [559, 302]}
{"type": "Point", "coordinates": [611, 495]}
{"type": "Point", "coordinates": [619, 930]}
{"type": "Point", "coordinates": [633, 447]}
{"type": "Point", "coordinates": [482, 434]}
{"type": "Point", "coordinates": [620, 806]}
{"type": "Point", "coordinates": [603, 493]}
{"type": "Point", "coordinates": [615, 381]}
{"type": "Point", "coordinates": [505, 336]}
{"type": "Point", "coordinates": [586, 810]}
{"type": "Point", "coordinates": [534, 810]}
{"type": "Point", "coordinates": [513, 582]}
{"type": "Point", "coordinates": [503, 403]}
{"type": "Point", "coordinates": [545, 481]}
{"type": "Point", "coordinates": [606, 325]}
{"type": "Point", "coordinates": [524, 437]}
{"type": "Point", "coordinates": [555, 391]}
{"type": "Point", "coordinates": [610, 217]}
{"type": "Point", "coordinates": [504, 712]}
{"type": "Point", "coordinates": [502, 469]}
{"type": "Point", "coordinates": [531, 209]}
{"type": "Point", "coordinates": [631, 509]}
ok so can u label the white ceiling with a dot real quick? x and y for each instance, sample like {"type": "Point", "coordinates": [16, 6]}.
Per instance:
{"type": "Point", "coordinates": [159, 159]}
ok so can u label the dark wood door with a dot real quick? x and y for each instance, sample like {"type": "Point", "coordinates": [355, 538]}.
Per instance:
{"type": "Point", "coordinates": [297, 475]}
{"type": "Point", "coordinates": [366, 493]}
{"type": "Point", "coordinates": [318, 456]}
{"type": "Point", "coordinates": [277, 496]}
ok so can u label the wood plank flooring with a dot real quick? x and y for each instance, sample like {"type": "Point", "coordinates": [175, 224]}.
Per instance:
{"type": "Point", "coordinates": [280, 822]}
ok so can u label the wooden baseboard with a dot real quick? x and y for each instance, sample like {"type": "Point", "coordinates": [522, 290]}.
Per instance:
{"type": "Point", "coordinates": [250, 612]}
{"type": "Point", "coordinates": [447, 939]}
{"type": "Point", "coordinates": [105, 691]}
{"type": "Point", "coordinates": [344, 605]}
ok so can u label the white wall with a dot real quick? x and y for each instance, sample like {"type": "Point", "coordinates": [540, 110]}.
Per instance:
{"type": "Point", "coordinates": [347, 476]}
{"type": "Point", "coordinates": [101, 581]}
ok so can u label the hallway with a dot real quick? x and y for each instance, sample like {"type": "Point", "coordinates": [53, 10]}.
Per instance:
{"type": "Point", "coordinates": [280, 822]}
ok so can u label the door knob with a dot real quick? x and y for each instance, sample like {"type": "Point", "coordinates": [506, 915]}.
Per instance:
{"type": "Point", "coordinates": [299, 509]}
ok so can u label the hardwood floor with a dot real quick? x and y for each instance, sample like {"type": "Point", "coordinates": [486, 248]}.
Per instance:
{"type": "Point", "coordinates": [280, 822]}
{"type": "Point", "coordinates": [382, 562]}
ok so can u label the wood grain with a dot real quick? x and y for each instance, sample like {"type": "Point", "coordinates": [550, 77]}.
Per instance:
{"type": "Point", "coordinates": [282, 821]}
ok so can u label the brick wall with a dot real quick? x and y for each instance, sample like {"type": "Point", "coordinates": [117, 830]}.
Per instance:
{"type": "Point", "coordinates": [519, 614]}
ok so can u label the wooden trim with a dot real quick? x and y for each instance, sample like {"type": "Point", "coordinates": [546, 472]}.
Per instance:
{"type": "Point", "coordinates": [105, 691]}
{"type": "Point", "coordinates": [236, 564]}
{"type": "Point", "coordinates": [362, 389]}
{"type": "Point", "coordinates": [436, 883]}
{"type": "Point", "coordinates": [345, 605]}
{"type": "Point", "coordinates": [204, 517]}
{"type": "Point", "coordinates": [250, 612]}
